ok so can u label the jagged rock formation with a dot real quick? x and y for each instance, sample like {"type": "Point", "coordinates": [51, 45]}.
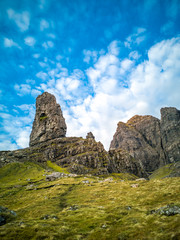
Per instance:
{"type": "Point", "coordinates": [49, 122]}
{"type": "Point", "coordinates": [78, 155]}
{"type": "Point", "coordinates": [122, 162]}
{"type": "Point", "coordinates": [170, 133]}
{"type": "Point", "coordinates": [90, 135]}
{"type": "Point", "coordinates": [139, 147]}
{"type": "Point", "coordinates": [151, 142]}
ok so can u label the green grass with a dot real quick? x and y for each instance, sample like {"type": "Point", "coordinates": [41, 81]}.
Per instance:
{"type": "Point", "coordinates": [43, 118]}
{"type": "Point", "coordinates": [57, 168]}
{"type": "Point", "coordinates": [161, 172]}
{"type": "Point", "coordinates": [69, 209]}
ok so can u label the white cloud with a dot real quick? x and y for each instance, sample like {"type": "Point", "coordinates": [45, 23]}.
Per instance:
{"type": "Point", "coordinates": [134, 55]}
{"type": "Point", "coordinates": [51, 35]}
{"type": "Point", "coordinates": [7, 144]}
{"type": "Point", "coordinates": [138, 36]}
{"type": "Point", "coordinates": [30, 81]}
{"type": "Point", "coordinates": [35, 92]}
{"type": "Point", "coordinates": [151, 85]}
{"type": "Point", "coordinates": [116, 90]}
{"type": "Point", "coordinates": [42, 75]}
{"type": "Point", "coordinates": [22, 89]}
{"type": "Point", "coordinates": [23, 137]}
{"type": "Point", "coordinates": [36, 55]}
{"type": "Point", "coordinates": [16, 129]}
{"type": "Point", "coordinates": [88, 55]}
{"type": "Point", "coordinates": [10, 43]}
{"type": "Point", "coordinates": [48, 44]}
{"type": "Point", "coordinates": [30, 41]}
{"type": "Point", "coordinates": [22, 66]}
{"type": "Point", "coordinates": [44, 24]}
{"type": "Point", "coordinates": [22, 20]}
{"type": "Point", "coordinates": [42, 4]}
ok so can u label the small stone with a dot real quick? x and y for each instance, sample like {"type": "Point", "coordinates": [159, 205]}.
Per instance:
{"type": "Point", "coordinates": [135, 185]}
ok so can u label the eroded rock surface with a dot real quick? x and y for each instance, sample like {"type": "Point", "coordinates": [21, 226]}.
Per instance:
{"type": "Point", "coordinates": [151, 142]}
{"type": "Point", "coordinates": [49, 122]}
{"type": "Point", "coordinates": [170, 133]}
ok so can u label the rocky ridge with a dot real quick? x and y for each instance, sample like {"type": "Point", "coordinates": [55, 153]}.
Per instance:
{"type": "Point", "coordinates": [150, 141]}
{"type": "Point", "coordinates": [139, 147]}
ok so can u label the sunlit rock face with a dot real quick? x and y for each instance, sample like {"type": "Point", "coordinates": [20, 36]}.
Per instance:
{"type": "Point", "coordinates": [49, 122]}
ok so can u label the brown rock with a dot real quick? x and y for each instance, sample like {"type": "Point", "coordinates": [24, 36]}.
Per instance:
{"type": "Point", "coordinates": [134, 138]}
{"type": "Point", "coordinates": [151, 142]}
{"type": "Point", "coordinates": [49, 122]}
{"type": "Point", "coordinates": [90, 135]}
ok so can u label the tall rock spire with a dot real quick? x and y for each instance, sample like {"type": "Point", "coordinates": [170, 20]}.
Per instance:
{"type": "Point", "coordinates": [49, 122]}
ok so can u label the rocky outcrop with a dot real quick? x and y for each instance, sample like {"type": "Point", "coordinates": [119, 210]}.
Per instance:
{"type": "Point", "coordinates": [122, 162]}
{"type": "Point", "coordinates": [151, 142]}
{"type": "Point", "coordinates": [78, 155]}
{"type": "Point", "coordinates": [170, 133]}
{"type": "Point", "coordinates": [49, 122]}
{"type": "Point", "coordinates": [139, 147]}
{"type": "Point", "coordinates": [90, 135]}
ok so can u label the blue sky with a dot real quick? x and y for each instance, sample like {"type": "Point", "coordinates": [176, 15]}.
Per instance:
{"type": "Point", "coordinates": [105, 61]}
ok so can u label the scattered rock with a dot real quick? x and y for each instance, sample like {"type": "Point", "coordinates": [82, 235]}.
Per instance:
{"type": "Point", "coordinates": [85, 181]}
{"type": "Point", "coordinates": [168, 210]}
{"type": "Point", "coordinates": [6, 215]}
{"type": "Point", "coordinates": [135, 185]}
{"type": "Point", "coordinates": [104, 226]}
{"type": "Point", "coordinates": [128, 207]}
{"type": "Point", "coordinates": [73, 208]}
{"type": "Point", "coordinates": [55, 175]}
{"type": "Point", "coordinates": [141, 179]}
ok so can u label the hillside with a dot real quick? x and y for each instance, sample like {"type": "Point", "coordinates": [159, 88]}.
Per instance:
{"type": "Point", "coordinates": [72, 188]}
{"type": "Point", "coordinates": [87, 207]}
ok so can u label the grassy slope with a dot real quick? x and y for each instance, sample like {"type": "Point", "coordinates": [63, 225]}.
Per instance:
{"type": "Point", "coordinates": [70, 209]}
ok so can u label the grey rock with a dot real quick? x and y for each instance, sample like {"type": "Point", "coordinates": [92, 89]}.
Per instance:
{"type": "Point", "coordinates": [49, 122]}
{"type": "Point", "coordinates": [168, 210]}
{"type": "Point", "coordinates": [90, 135]}
{"type": "Point", "coordinates": [170, 133]}
{"type": "Point", "coordinates": [151, 142]}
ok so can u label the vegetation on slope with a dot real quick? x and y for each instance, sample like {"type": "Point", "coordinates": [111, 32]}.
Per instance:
{"type": "Point", "coordinates": [86, 207]}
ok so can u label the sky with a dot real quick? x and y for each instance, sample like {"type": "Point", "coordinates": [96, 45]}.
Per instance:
{"type": "Point", "coordinates": [104, 60]}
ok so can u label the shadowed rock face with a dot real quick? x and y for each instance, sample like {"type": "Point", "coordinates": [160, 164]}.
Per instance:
{"type": "Point", "coordinates": [151, 142]}
{"type": "Point", "coordinates": [140, 146]}
{"type": "Point", "coordinates": [49, 122]}
{"type": "Point", "coordinates": [170, 133]}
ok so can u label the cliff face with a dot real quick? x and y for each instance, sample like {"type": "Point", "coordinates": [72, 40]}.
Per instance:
{"type": "Point", "coordinates": [139, 147]}
{"type": "Point", "coordinates": [49, 122]}
{"type": "Point", "coordinates": [151, 142]}
{"type": "Point", "coordinates": [170, 133]}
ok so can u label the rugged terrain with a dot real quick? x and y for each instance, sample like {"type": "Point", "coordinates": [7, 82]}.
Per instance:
{"type": "Point", "coordinates": [72, 188]}
{"type": "Point", "coordinates": [117, 206]}
{"type": "Point", "coordinates": [140, 146]}
{"type": "Point", "coordinates": [153, 143]}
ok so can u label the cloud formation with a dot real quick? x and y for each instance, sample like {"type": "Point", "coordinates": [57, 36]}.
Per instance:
{"type": "Point", "coordinates": [22, 19]}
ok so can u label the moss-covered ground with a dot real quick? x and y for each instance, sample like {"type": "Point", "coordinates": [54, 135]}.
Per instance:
{"type": "Point", "coordinates": [86, 207]}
